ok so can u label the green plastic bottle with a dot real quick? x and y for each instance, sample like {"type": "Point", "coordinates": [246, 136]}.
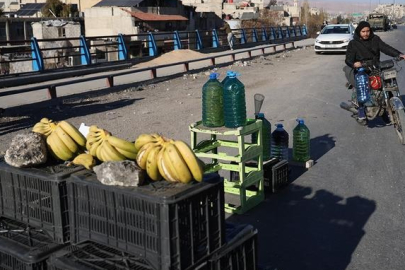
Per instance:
{"type": "Point", "coordinates": [227, 77]}
{"type": "Point", "coordinates": [234, 102]}
{"type": "Point", "coordinates": [266, 136]}
{"type": "Point", "coordinates": [301, 142]}
{"type": "Point", "coordinates": [212, 102]}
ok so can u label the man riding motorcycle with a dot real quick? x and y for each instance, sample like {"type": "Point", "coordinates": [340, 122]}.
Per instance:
{"type": "Point", "coordinates": [365, 48]}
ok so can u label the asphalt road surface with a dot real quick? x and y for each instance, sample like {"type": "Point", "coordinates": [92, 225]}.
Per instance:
{"type": "Point", "coordinates": [346, 212]}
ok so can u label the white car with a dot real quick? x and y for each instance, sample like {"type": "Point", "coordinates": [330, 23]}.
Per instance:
{"type": "Point", "coordinates": [334, 38]}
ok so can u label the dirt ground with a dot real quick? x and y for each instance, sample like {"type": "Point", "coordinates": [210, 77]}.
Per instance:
{"type": "Point", "coordinates": [164, 106]}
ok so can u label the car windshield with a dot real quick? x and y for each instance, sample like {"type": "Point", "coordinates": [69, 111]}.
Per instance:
{"type": "Point", "coordinates": [336, 30]}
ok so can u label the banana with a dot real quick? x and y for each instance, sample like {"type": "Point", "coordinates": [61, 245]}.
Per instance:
{"type": "Point", "coordinates": [85, 160]}
{"type": "Point", "coordinates": [128, 155]}
{"type": "Point", "coordinates": [163, 169]}
{"type": "Point", "coordinates": [142, 140]}
{"type": "Point", "coordinates": [98, 152]}
{"type": "Point", "coordinates": [143, 154]}
{"type": "Point", "coordinates": [93, 148]}
{"type": "Point", "coordinates": [73, 132]}
{"type": "Point", "coordinates": [178, 163]}
{"type": "Point", "coordinates": [92, 140]}
{"type": "Point", "coordinates": [151, 164]}
{"type": "Point", "coordinates": [94, 128]}
{"type": "Point", "coordinates": [110, 153]}
{"type": "Point", "coordinates": [191, 160]}
{"type": "Point", "coordinates": [45, 120]}
{"type": "Point", "coordinates": [122, 144]}
{"type": "Point", "coordinates": [170, 170]}
{"type": "Point", "coordinates": [104, 155]}
{"type": "Point", "coordinates": [58, 148]}
{"type": "Point", "coordinates": [66, 139]}
{"type": "Point", "coordinates": [44, 128]}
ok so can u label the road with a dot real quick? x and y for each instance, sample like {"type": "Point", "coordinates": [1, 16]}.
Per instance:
{"type": "Point", "coordinates": [346, 212]}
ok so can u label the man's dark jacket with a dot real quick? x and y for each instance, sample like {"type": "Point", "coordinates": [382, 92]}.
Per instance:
{"type": "Point", "coordinates": [361, 50]}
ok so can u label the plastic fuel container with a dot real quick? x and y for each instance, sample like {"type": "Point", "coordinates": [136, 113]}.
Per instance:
{"type": "Point", "coordinates": [301, 142]}
{"type": "Point", "coordinates": [234, 102]}
{"type": "Point", "coordinates": [279, 143]}
{"type": "Point", "coordinates": [212, 102]}
{"type": "Point", "coordinates": [227, 77]}
{"type": "Point", "coordinates": [362, 86]}
{"type": "Point", "coordinates": [266, 135]}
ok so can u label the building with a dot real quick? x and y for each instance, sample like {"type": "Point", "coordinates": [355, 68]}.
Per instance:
{"type": "Point", "coordinates": [294, 12]}
{"type": "Point", "coordinates": [394, 11]}
{"type": "Point", "coordinates": [110, 17]}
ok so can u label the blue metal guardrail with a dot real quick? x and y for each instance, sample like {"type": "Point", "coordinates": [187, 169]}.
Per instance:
{"type": "Point", "coordinates": [89, 50]}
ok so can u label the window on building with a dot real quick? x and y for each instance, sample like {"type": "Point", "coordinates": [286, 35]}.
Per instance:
{"type": "Point", "coordinates": [61, 32]}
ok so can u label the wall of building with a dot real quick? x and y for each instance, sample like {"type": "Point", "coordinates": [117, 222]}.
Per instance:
{"type": "Point", "coordinates": [103, 21]}
{"type": "Point", "coordinates": [69, 30]}
{"type": "Point", "coordinates": [82, 4]}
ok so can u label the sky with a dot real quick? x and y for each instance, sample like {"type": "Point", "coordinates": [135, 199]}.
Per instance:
{"type": "Point", "coordinates": [353, 6]}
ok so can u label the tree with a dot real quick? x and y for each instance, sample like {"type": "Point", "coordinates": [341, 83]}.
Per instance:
{"type": "Point", "coordinates": [58, 8]}
{"type": "Point", "coordinates": [312, 21]}
{"type": "Point", "coordinates": [51, 8]}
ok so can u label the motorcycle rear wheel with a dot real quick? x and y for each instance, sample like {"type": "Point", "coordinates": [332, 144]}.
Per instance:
{"type": "Point", "coordinates": [399, 124]}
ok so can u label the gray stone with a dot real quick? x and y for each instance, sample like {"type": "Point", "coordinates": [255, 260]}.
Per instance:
{"type": "Point", "coordinates": [120, 173]}
{"type": "Point", "coordinates": [27, 150]}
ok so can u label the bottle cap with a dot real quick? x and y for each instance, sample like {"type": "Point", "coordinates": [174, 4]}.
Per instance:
{"type": "Point", "coordinates": [260, 115]}
{"type": "Point", "coordinates": [362, 69]}
{"type": "Point", "coordinates": [232, 74]}
{"type": "Point", "coordinates": [229, 72]}
{"type": "Point", "coordinates": [279, 125]}
{"type": "Point", "coordinates": [214, 76]}
{"type": "Point", "coordinates": [300, 121]}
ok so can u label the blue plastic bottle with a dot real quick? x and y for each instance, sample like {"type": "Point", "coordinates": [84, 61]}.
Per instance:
{"type": "Point", "coordinates": [279, 143]}
{"type": "Point", "coordinates": [212, 102]}
{"type": "Point", "coordinates": [301, 142]}
{"type": "Point", "coordinates": [266, 136]}
{"type": "Point", "coordinates": [234, 102]}
{"type": "Point", "coordinates": [362, 86]}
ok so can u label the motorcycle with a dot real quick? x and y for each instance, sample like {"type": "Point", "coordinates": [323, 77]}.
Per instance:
{"type": "Point", "coordinates": [385, 97]}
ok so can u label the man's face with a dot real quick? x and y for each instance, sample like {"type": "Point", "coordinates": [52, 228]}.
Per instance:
{"type": "Point", "coordinates": [365, 33]}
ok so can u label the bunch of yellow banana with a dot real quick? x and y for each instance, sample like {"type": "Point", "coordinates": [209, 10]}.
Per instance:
{"type": "Point", "coordinates": [163, 158]}
{"type": "Point", "coordinates": [104, 146]}
{"type": "Point", "coordinates": [65, 141]}
{"type": "Point", "coordinates": [45, 127]}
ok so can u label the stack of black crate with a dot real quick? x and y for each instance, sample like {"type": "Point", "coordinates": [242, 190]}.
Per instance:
{"type": "Point", "coordinates": [58, 217]}
{"type": "Point", "coordinates": [34, 216]}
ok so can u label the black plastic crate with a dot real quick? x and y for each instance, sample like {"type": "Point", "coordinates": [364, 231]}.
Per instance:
{"type": "Point", "coordinates": [239, 253]}
{"type": "Point", "coordinates": [38, 197]}
{"type": "Point", "coordinates": [275, 174]}
{"type": "Point", "coordinates": [23, 247]}
{"type": "Point", "coordinates": [90, 255]}
{"type": "Point", "coordinates": [172, 226]}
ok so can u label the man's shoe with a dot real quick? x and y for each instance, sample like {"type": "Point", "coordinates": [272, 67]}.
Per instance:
{"type": "Point", "coordinates": [361, 113]}
{"type": "Point", "coordinates": [362, 121]}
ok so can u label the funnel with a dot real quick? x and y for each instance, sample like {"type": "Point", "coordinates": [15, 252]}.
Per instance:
{"type": "Point", "coordinates": [258, 102]}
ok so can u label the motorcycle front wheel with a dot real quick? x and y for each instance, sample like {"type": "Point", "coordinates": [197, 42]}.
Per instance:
{"type": "Point", "coordinates": [399, 124]}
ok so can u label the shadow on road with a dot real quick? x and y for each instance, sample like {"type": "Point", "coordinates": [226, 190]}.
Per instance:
{"type": "Point", "coordinates": [319, 146]}
{"type": "Point", "coordinates": [25, 116]}
{"type": "Point", "coordinates": [306, 231]}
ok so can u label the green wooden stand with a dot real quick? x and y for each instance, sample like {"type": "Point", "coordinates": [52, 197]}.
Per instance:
{"type": "Point", "coordinates": [248, 176]}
